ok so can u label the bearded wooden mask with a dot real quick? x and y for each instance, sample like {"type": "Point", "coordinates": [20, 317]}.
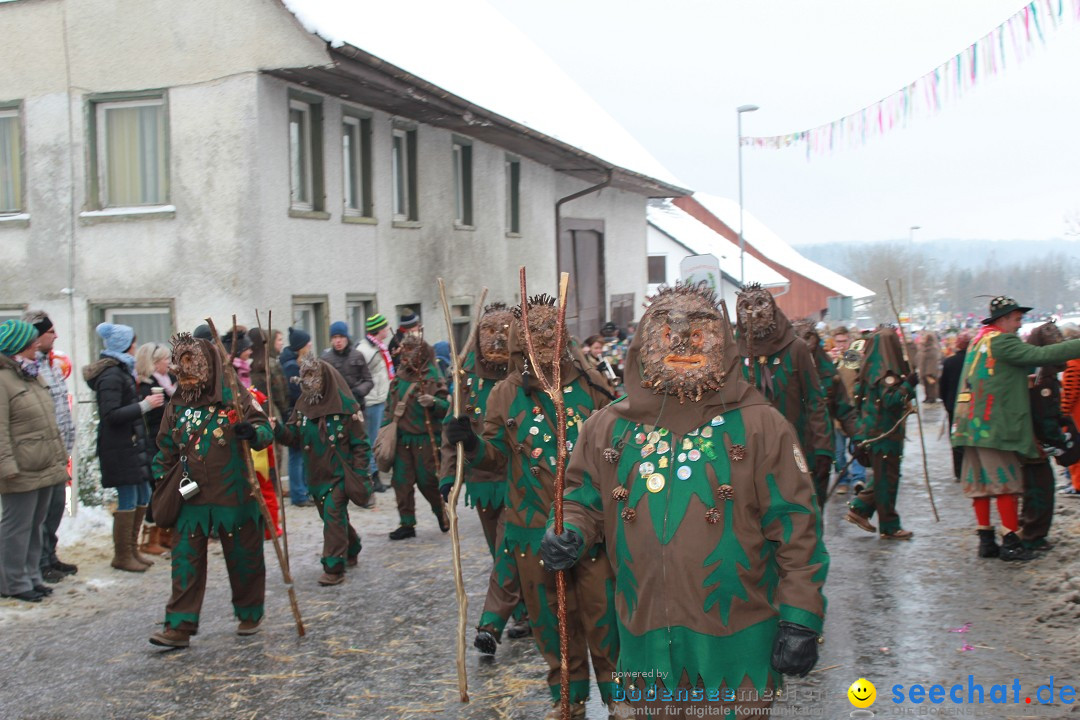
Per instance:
{"type": "Point", "coordinates": [190, 365]}
{"type": "Point", "coordinates": [412, 354]}
{"type": "Point", "coordinates": [543, 320]}
{"type": "Point", "coordinates": [493, 336]}
{"type": "Point", "coordinates": [311, 379]}
{"type": "Point", "coordinates": [683, 349]}
{"type": "Point", "coordinates": [756, 311]}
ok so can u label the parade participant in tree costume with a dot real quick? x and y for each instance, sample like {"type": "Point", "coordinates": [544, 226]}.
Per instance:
{"type": "Point", "coordinates": [519, 438]}
{"type": "Point", "coordinates": [783, 371]}
{"type": "Point", "coordinates": [200, 437]}
{"type": "Point", "coordinates": [992, 421]}
{"type": "Point", "coordinates": [419, 384]}
{"type": "Point", "coordinates": [838, 408]}
{"type": "Point", "coordinates": [485, 365]}
{"type": "Point", "coordinates": [883, 391]}
{"type": "Point", "coordinates": [1045, 398]}
{"type": "Point", "coordinates": [327, 424]}
{"type": "Point", "coordinates": [701, 490]}
{"type": "Point", "coordinates": [928, 364]}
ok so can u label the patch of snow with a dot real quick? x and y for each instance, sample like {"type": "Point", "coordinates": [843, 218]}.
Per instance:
{"type": "Point", "coordinates": [469, 49]}
{"type": "Point", "coordinates": [88, 522]}
{"type": "Point", "coordinates": [15, 217]}
{"type": "Point", "coordinates": [703, 240]}
{"type": "Point", "coordinates": [141, 210]}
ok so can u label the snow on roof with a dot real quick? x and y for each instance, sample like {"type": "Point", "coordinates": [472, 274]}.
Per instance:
{"type": "Point", "coordinates": [776, 249]}
{"type": "Point", "coordinates": [469, 49]}
{"type": "Point", "coordinates": [702, 240]}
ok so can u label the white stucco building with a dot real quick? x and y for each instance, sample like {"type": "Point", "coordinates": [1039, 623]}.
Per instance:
{"type": "Point", "coordinates": [161, 162]}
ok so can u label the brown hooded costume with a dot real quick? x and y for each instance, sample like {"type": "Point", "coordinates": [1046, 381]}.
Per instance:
{"type": "Point", "coordinates": [784, 372]}
{"type": "Point", "coordinates": [928, 364]}
{"type": "Point", "coordinates": [198, 439]}
{"type": "Point", "coordinates": [327, 424]}
{"type": "Point", "coordinates": [709, 515]}
{"type": "Point", "coordinates": [484, 490]}
{"type": "Point", "coordinates": [418, 430]}
{"type": "Point", "coordinates": [519, 439]}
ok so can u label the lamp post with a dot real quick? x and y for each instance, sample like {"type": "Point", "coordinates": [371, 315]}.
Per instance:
{"type": "Point", "coordinates": [742, 242]}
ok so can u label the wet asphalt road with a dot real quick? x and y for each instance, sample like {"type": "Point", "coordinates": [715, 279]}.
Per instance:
{"type": "Point", "coordinates": [382, 644]}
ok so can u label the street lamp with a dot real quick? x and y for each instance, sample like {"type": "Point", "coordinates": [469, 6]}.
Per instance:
{"type": "Point", "coordinates": [742, 243]}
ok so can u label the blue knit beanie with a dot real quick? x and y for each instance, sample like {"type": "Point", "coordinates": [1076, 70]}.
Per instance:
{"type": "Point", "coordinates": [298, 338]}
{"type": "Point", "coordinates": [118, 338]}
{"type": "Point", "coordinates": [16, 336]}
{"type": "Point", "coordinates": [339, 328]}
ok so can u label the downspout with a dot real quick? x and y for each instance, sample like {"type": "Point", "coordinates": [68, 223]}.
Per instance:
{"type": "Point", "coordinates": [558, 223]}
{"type": "Point", "coordinates": [70, 289]}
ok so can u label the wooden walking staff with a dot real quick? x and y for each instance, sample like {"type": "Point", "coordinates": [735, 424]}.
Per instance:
{"type": "Point", "coordinates": [915, 396]}
{"type": "Point", "coordinates": [268, 339]}
{"type": "Point", "coordinates": [253, 481]}
{"type": "Point", "coordinates": [554, 391]}
{"type": "Point", "coordinates": [455, 491]}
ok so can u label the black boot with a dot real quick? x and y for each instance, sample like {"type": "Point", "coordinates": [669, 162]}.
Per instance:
{"type": "Point", "coordinates": [405, 531]}
{"type": "Point", "coordinates": [988, 547]}
{"type": "Point", "coordinates": [1013, 549]}
{"type": "Point", "coordinates": [485, 642]}
{"type": "Point", "coordinates": [379, 485]}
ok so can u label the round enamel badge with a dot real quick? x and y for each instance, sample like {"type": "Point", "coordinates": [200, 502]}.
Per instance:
{"type": "Point", "coordinates": [799, 459]}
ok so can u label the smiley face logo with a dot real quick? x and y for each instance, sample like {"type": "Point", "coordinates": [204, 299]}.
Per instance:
{"type": "Point", "coordinates": [862, 693]}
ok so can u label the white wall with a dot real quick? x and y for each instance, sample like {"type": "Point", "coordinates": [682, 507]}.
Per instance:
{"type": "Point", "coordinates": [660, 243]}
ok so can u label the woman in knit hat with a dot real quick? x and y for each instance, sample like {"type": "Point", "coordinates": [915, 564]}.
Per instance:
{"type": "Point", "coordinates": [299, 346]}
{"type": "Point", "coordinates": [122, 448]}
{"type": "Point", "coordinates": [32, 460]}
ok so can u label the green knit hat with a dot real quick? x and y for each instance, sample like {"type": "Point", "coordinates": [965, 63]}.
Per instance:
{"type": "Point", "coordinates": [375, 323]}
{"type": "Point", "coordinates": [15, 336]}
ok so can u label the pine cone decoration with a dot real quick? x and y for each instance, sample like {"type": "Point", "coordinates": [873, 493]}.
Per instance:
{"type": "Point", "coordinates": [535, 471]}
{"type": "Point", "coordinates": [510, 422]}
{"type": "Point", "coordinates": [628, 514]}
{"type": "Point", "coordinates": [712, 516]}
{"type": "Point", "coordinates": [738, 452]}
{"type": "Point", "coordinates": [611, 455]}
{"type": "Point", "coordinates": [620, 494]}
{"type": "Point", "coordinates": [725, 492]}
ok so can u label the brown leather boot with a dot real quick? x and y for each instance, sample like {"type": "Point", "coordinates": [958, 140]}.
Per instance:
{"type": "Point", "coordinates": [150, 542]}
{"type": "Point", "coordinates": [123, 521]}
{"type": "Point", "coordinates": [171, 638]}
{"type": "Point", "coordinates": [136, 525]}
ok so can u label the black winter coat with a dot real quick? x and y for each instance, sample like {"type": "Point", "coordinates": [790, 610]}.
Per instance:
{"type": "Point", "coordinates": [121, 442]}
{"type": "Point", "coordinates": [353, 368]}
{"type": "Point", "coordinates": [152, 419]}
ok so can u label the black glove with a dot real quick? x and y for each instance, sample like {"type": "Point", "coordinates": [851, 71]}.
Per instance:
{"type": "Point", "coordinates": [795, 649]}
{"type": "Point", "coordinates": [560, 552]}
{"type": "Point", "coordinates": [244, 430]}
{"type": "Point", "coordinates": [459, 430]}
{"type": "Point", "coordinates": [912, 379]}
{"type": "Point", "coordinates": [822, 467]}
{"type": "Point", "coordinates": [445, 489]}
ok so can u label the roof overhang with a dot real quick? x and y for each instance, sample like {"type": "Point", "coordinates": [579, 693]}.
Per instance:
{"type": "Point", "coordinates": [358, 76]}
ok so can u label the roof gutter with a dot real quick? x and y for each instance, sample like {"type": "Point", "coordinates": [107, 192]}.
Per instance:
{"type": "Point", "coordinates": [558, 218]}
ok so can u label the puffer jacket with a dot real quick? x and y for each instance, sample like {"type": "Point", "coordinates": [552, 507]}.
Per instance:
{"type": "Point", "coordinates": [121, 442]}
{"type": "Point", "coordinates": [32, 453]}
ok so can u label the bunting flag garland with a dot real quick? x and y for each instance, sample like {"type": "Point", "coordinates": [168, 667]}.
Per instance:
{"type": "Point", "coordinates": [1011, 41]}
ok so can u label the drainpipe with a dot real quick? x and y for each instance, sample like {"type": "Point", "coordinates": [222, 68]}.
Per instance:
{"type": "Point", "coordinates": [558, 220]}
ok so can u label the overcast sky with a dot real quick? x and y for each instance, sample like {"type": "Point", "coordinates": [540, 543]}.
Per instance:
{"type": "Point", "coordinates": [1002, 162]}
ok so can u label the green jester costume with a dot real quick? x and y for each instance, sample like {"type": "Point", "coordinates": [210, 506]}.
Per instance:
{"type": "Point", "coordinates": [700, 489]}
{"type": "Point", "coordinates": [199, 438]}
{"type": "Point", "coordinates": [485, 365]}
{"type": "Point", "coordinates": [519, 438]}
{"type": "Point", "coordinates": [327, 424]}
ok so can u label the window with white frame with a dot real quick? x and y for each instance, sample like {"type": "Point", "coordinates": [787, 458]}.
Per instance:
{"type": "Point", "coordinates": [513, 195]}
{"type": "Point", "coordinates": [463, 214]}
{"type": "Point", "coordinates": [358, 308]}
{"type": "Point", "coordinates": [151, 322]}
{"type": "Point", "coordinates": [131, 152]}
{"type": "Point", "coordinates": [300, 155]}
{"type": "Point", "coordinates": [11, 167]}
{"type": "Point", "coordinates": [403, 174]}
{"type": "Point", "coordinates": [356, 165]}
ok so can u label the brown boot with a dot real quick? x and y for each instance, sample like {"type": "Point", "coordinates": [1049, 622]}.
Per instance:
{"type": "Point", "coordinates": [136, 525]}
{"type": "Point", "coordinates": [248, 627]}
{"type": "Point", "coordinates": [150, 542]}
{"type": "Point", "coordinates": [171, 638]}
{"type": "Point", "coordinates": [123, 521]}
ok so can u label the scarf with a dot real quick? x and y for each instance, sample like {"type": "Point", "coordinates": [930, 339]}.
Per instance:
{"type": "Point", "coordinates": [387, 360]}
{"type": "Point", "coordinates": [30, 368]}
{"type": "Point", "coordinates": [126, 359]}
{"type": "Point", "coordinates": [165, 382]}
{"type": "Point", "coordinates": [243, 371]}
